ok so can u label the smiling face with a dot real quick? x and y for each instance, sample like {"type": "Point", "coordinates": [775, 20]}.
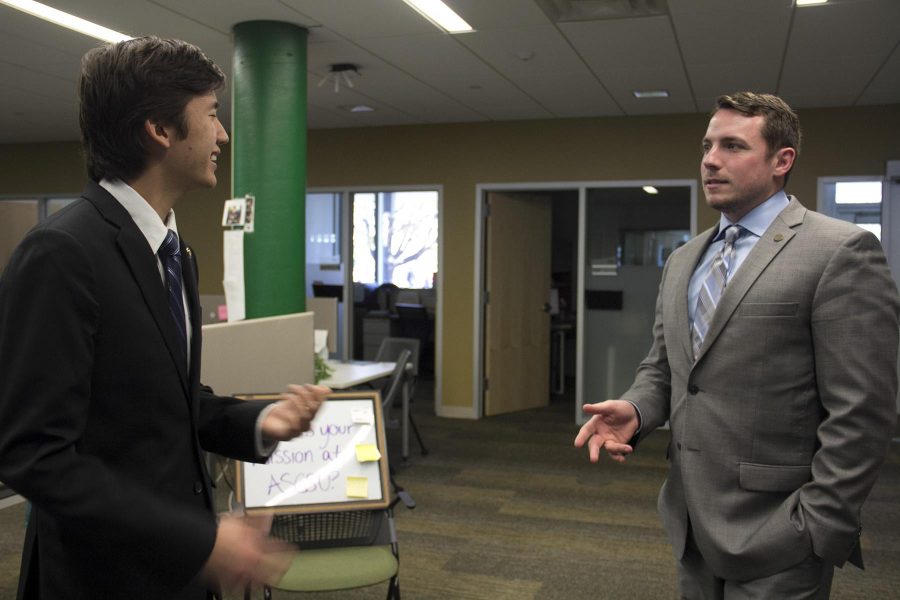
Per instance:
{"type": "Point", "coordinates": [738, 170]}
{"type": "Point", "coordinates": [192, 160]}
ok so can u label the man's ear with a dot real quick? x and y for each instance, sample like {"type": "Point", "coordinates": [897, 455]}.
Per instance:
{"type": "Point", "coordinates": [784, 160]}
{"type": "Point", "coordinates": [158, 133]}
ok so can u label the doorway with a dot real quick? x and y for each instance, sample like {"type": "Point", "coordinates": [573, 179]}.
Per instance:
{"type": "Point", "coordinates": [606, 245]}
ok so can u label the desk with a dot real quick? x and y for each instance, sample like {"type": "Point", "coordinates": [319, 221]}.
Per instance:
{"type": "Point", "coordinates": [350, 374]}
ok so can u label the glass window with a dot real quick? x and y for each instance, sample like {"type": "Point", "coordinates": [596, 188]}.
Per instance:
{"type": "Point", "coordinates": [395, 238]}
{"type": "Point", "coordinates": [364, 239]}
{"type": "Point", "coordinates": [857, 192]}
{"type": "Point", "coordinates": [856, 200]}
{"type": "Point", "coordinates": [323, 228]}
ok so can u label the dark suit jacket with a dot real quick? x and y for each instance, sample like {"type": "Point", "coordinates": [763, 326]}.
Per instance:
{"type": "Point", "coordinates": [780, 426]}
{"type": "Point", "coordinates": [102, 425]}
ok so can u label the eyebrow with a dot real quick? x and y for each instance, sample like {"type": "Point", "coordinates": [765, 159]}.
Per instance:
{"type": "Point", "coordinates": [726, 139]}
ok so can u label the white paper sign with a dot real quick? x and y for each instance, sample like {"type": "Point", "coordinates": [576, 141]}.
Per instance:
{"type": "Point", "coordinates": [233, 282]}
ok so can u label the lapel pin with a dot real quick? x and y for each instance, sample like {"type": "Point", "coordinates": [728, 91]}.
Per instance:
{"type": "Point", "coordinates": [188, 249]}
{"type": "Point", "coordinates": [778, 237]}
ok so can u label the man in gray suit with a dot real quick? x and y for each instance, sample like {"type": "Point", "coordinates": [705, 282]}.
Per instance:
{"type": "Point", "coordinates": [774, 359]}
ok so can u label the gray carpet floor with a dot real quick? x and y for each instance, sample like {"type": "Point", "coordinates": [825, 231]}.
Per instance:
{"type": "Point", "coordinates": [508, 509]}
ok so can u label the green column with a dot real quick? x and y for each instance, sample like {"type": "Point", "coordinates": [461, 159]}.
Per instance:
{"type": "Point", "coordinates": [269, 161]}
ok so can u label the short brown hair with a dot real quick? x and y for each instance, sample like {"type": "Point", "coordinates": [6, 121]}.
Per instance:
{"type": "Point", "coordinates": [781, 126]}
{"type": "Point", "coordinates": [124, 84]}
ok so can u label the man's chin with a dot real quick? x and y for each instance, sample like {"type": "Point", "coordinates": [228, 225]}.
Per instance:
{"type": "Point", "coordinates": [718, 202]}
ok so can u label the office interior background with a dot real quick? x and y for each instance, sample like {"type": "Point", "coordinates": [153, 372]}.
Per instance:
{"type": "Point", "coordinates": [542, 92]}
{"type": "Point", "coordinates": [571, 105]}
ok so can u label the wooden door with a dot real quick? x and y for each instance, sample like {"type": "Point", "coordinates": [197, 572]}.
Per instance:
{"type": "Point", "coordinates": [517, 317]}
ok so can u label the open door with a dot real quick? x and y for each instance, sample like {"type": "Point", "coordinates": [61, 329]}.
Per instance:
{"type": "Point", "coordinates": [517, 310]}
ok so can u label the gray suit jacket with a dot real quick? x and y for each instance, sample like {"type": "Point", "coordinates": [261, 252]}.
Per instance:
{"type": "Point", "coordinates": [781, 425]}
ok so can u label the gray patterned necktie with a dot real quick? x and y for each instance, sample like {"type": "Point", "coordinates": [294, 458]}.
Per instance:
{"type": "Point", "coordinates": [713, 287]}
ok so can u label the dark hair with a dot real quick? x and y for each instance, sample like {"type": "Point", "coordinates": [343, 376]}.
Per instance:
{"type": "Point", "coordinates": [781, 126]}
{"type": "Point", "coordinates": [124, 84]}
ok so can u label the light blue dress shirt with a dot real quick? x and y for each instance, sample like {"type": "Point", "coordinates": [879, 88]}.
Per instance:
{"type": "Point", "coordinates": [755, 222]}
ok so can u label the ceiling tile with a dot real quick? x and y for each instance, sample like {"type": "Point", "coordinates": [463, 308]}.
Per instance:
{"type": "Point", "coordinates": [844, 29]}
{"type": "Point", "coordinates": [363, 19]}
{"type": "Point", "coordinates": [496, 15]}
{"type": "Point", "coordinates": [634, 54]}
{"type": "Point", "coordinates": [885, 86]}
{"type": "Point", "coordinates": [526, 52]}
{"type": "Point", "coordinates": [714, 31]}
{"type": "Point", "coordinates": [711, 81]}
{"type": "Point", "coordinates": [415, 54]}
{"type": "Point", "coordinates": [567, 96]}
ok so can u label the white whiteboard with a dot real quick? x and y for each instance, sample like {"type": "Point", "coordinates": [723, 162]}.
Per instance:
{"type": "Point", "coordinates": [321, 470]}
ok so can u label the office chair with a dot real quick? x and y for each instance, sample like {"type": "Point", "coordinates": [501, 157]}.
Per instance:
{"type": "Point", "coordinates": [389, 351]}
{"type": "Point", "coordinates": [341, 550]}
{"type": "Point", "coordinates": [413, 321]}
{"type": "Point", "coordinates": [393, 388]}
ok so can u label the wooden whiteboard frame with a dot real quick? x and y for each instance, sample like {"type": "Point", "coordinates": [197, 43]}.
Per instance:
{"type": "Point", "coordinates": [343, 505]}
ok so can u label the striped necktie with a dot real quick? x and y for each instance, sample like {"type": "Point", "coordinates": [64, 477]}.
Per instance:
{"type": "Point", "coordinates": [713, 287]}
{"type": "Point", "coordinates": [170, 255]}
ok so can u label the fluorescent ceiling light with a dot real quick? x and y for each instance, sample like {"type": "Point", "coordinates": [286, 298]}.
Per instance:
{"type": "Point", "coordinates": [650, 189]}
{"type": "Point", "coordinates": [651, 93]}
{"type": "Point", "coordinates": [810, 2]}
{"type": "Point", "coordinates": [441, 15]}
{"type": "Point", "coordinates": [42, 11]}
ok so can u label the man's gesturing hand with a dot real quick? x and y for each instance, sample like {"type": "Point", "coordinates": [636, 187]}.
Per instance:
{"type": "Point", "coordinates": [612, 425]}
{"type": "Point", "coordinates": [292, 414]}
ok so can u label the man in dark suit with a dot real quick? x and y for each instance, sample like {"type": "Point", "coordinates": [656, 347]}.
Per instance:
{"type": "Point", "coordinates": [774, 360]}
{"type": "Point", "coordinates": [103, 421]}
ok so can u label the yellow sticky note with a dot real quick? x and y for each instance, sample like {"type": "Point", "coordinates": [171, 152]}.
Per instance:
{"type": "Point", "coordinates": [357, 487]}
{"type": "Point", "coordinates": [367, 452]}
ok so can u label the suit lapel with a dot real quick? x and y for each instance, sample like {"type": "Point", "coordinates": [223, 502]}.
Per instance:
{"type": "Point", "coordinates": [682, 310]}
{"type": "Point", "coordinates": [145, 270]}
{"type": "Point", "coordinates": [773, 241]}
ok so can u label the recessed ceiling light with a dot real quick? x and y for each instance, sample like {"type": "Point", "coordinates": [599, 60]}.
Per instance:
{"type": "Point", "coordinates": [650, 189]}
{"type": "Point", "coordinates": [651, 93]}
{"type": "Point", "coordinates": [810, 2]}
{"type": "Point", "coordinates": [42, 11]}
{"type": "Point", "coordinates": [358, 108]}
{"type": "Point", "coordinates": [440, 15]}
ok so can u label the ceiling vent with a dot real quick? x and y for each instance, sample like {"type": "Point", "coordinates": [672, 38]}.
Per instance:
{"type": "Point", "coordinates": [563, 11]}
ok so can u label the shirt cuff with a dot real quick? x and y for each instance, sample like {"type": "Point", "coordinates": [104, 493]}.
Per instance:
{"type": "Point", "coordinates": [637, 433]}
{"type": "Point", "coordinates": [264, 447]}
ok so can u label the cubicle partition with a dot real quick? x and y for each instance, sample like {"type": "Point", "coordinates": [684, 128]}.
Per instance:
{"type": "Point", "coordinates": [258, 355]}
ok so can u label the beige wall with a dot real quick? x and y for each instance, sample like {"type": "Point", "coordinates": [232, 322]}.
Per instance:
{"type": "Point", "coordinates": [837, 142]}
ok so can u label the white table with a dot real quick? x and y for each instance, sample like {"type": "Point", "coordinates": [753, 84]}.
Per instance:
{"type": "Point", "coordinates": [350, 374]}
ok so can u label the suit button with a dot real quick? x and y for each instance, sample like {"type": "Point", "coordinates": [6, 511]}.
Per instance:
{"type": "Point", "coordinates": [678, 445]}
{"type": "Point", "coordinates": [693, 389]}
{"type": "Point", "coordinates": [198, 488]}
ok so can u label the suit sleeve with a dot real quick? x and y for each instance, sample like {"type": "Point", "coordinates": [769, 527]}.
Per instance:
{"type": "Point", "coordinates": [651, 389]}
{"type": "Point", "coordinates": [855, 336]}
{"type": "Point", "coordinates": [49, 318]}
{"type": "Point", "coordinates": [225, 425]}
{"type": "Point", "coordinates": [228, 425]}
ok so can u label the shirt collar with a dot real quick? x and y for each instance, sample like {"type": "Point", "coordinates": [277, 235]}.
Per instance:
{"type": "Point", "coordinates": [757, 221]}
{"type": "Point", "coordinates": [141, 212]}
